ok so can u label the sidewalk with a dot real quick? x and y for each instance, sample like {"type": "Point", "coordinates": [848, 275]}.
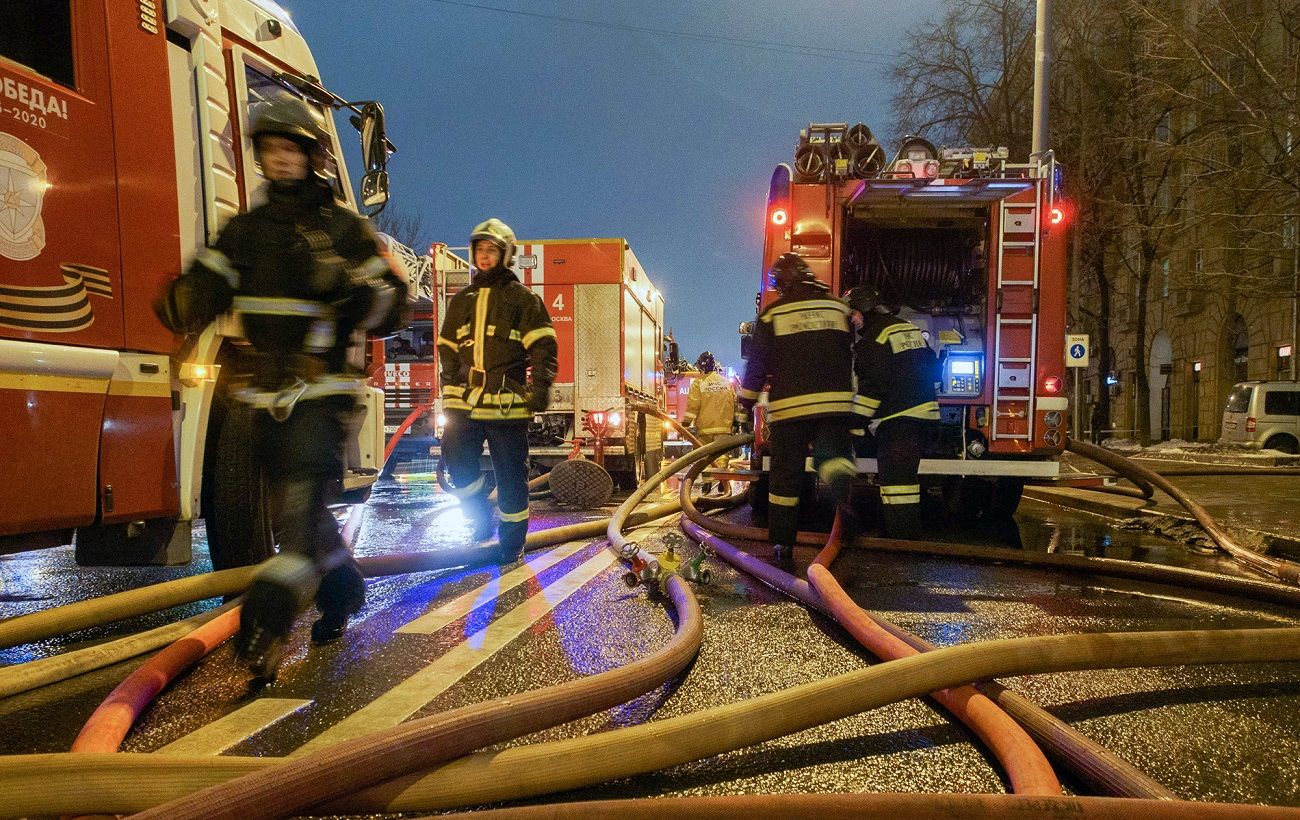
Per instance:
{"type": "Point", "coordinates": [1260, 510]}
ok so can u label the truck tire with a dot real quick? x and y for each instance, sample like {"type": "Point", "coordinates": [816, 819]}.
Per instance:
{"type": "Point", "coordinates": [238, 516]}
{"type": "Point", "coordinates": [1004, 499]}
{"type": "Point", "coordinates": [1283, 444]}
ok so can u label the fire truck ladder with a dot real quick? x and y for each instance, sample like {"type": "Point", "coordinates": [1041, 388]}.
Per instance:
{"type": "Point", "coordinates": [1015, 346]}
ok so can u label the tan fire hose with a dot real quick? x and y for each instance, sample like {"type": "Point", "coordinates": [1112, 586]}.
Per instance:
{"type": "Point", "coordinates": [1092, 762]}
{"type": "Point", "coordinates": [156, 597]}
{"type": "Point", "coordinates": [119, 783]}
{"type": "Point", "coordinates": [1146, 661]}
{"type": "Point", "coordinates": [893, 806]}
{"type": "Point", "coordinates": [349, 767]}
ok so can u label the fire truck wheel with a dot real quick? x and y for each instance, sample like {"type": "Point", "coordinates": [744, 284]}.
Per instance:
{"type": "Point", "coordinates": [1005, 498]}
{"type": "Point", "coordinates": [239, 516]}
{"type": "Point", "coordinates": [581, 483]}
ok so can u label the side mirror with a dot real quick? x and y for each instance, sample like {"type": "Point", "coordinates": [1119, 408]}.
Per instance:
{"type": "Point", "coordinates": [374, 191]}
{"type": "Point", "coordinates": [375, 150]}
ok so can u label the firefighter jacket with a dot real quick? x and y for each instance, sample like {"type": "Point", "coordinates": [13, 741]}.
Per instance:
{"type": "Point", "coordinates": [895, 369]}
{"type": "Point", "coordinates": [802, 350]}
{"type": "Point", "coordinates": [495, 331]}
{"type": "Point", "coordinates": [711, 404]}
{"type": "Point", "coordinates": [302, 273]}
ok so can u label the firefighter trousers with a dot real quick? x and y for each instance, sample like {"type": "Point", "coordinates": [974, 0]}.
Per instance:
{"type": "Point", "coordinates": [462, 448]}
{"type": "Point", "coordinates": [898, 454]}
{"type": "Point", "coordinates": [832, 453]}
{"type": "Point", "coordinates": [302, 459]}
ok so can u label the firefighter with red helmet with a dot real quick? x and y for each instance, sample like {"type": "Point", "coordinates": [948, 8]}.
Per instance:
{"type": "Point", "coordinates": [895, 372]}
{"type": "Point", "coordinates": [303, 274]}
{"type": "Point", "coordinates": [802, 351]}
{"type": "Point", "coordinates": [497, 366]}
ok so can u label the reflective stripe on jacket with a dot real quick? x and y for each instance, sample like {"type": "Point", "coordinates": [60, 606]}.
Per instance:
{"type": "Point", "coordinates": [711, 404]}
{"type": "Point", "coordinates": [495, 332]}
{"type": "Point", "coordinates": [801, 349]}
{"type": "Point", "coordinates": [895, 369]}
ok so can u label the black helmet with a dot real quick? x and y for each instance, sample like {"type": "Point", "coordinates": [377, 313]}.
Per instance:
{"type": "Point", "coordinates": [706, 363]}
{"type": "Point", "coordinates": [789, 270]}
{"type": "Point", "coordinates": [863, 298]}
{"type": "Point", "coordinates": [288, 117]}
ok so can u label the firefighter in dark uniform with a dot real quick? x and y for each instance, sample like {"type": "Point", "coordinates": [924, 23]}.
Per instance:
{"type": "Point", "coordinates": [303, 274]}
{"type": "Point", "coordinates": [895, 370]}
{"type": "Point", "coordinates": [802, 351]}
{"type": "Point", "coordinates": [497, 365]}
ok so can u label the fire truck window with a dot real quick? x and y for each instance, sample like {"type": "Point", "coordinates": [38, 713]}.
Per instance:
{"type": "Point", "coordinates": [38, 34]}
{"type": "Point", "coordinates": [261, 88]}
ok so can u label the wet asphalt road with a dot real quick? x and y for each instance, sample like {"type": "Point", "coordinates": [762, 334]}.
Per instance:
{"type": "Point", "coordinates": [1209, 733]}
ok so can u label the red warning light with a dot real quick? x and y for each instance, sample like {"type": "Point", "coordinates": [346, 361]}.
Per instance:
{"type": "Point", "coordinates": [1052, 384]}
{"type": "Point", "coordinates": [1058, 216]}
{"type": "Point", "coordinates": [779, 216]}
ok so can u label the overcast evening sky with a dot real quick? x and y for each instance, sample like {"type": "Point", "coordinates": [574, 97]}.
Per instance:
{"type": "Point", "coordinates": [652, 121]}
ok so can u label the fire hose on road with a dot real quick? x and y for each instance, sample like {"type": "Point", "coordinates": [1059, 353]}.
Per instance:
{"type": "Point", "coordinates": [566, 764]}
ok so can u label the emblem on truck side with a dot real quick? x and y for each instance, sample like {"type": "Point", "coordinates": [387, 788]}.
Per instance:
{"type": "Point", "coordinates": [23, 183]}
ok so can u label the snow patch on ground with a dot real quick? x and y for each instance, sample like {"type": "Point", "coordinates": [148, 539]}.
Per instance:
{"type": "Point", "coordinates": [1193, 450]}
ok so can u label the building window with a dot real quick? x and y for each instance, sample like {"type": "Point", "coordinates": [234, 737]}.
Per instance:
{"type": "Point", "coordinates": [1163, 267]}
{"type": "Point", "coordinates": [38, 34]}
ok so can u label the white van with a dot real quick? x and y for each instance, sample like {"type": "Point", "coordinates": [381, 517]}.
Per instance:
{"type": "Point", "coordinates": [1263, 414]}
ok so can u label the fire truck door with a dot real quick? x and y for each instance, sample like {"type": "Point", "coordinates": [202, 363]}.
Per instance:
{"type": "Point", "coordinates": [61, 319]}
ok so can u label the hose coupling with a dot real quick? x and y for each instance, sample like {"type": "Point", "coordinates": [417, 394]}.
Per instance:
{"type": "Point", "coordinates": [693, 570]}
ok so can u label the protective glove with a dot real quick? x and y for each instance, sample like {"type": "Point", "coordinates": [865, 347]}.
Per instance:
{"type": "Point", "coordinates": [540, 398]}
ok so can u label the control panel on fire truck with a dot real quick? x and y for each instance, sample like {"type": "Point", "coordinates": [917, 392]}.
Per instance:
{"type": "Point", "coordinates": [962, 374]}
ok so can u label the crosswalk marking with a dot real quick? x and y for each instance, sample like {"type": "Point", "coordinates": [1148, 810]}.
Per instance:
{"type": "Point", "coordinates": [235, 727]}
{"type": "Point", "coordinates": [409, 696]}
{"type": "Point", "coordinates": [457, 608]}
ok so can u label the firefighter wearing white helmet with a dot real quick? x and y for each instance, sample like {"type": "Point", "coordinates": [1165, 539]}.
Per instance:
{"type": "Point", "coordinates": [895, 374]}
{"type": "Point", "coordinates": [303, 273]}
{"type": "Point", "coordinates": [498, 361]}
{"type": "Point", "coordinates": [801, 350]}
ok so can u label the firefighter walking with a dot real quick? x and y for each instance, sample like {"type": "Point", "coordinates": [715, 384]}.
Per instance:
{"type": "Point", "coordinates": [895, 372]}
{"type": "Point", "coordinates": [802, 351]}
{"type": "Point", "coordinates": [711, 406]}
{"type": "Point", "coordinates": [303, 274]}
{"type": "Point", "coordinates": [497, 367]}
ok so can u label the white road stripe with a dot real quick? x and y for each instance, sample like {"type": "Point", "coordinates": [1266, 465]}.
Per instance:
{"type": "Point", "coordinates": [436, 619]}
{"type": "Point", "coordinates": [409, 696]}
{"type": "Point", "coordinates": [234, 728]}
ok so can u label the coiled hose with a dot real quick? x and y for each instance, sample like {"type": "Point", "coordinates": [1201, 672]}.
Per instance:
{"type": "Point", "coordinates": [1093, 763]}
{"type": "Point", "coordinates": [348, 767]}
{"type": "Point", "coordinates": [66, 784]}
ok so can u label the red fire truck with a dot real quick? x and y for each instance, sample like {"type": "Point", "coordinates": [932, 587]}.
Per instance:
{"type": "Point", "coordinates": [117, 164]}
{"type": "Point", "coordinates": [973, 248]}
{"type": "Point", "coordinates": [403, 366]}
{"type": "Point", "coordinates": [608, 319]}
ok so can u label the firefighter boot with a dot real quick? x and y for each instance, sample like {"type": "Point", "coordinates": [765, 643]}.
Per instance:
{"type": "Point", "coordinates": [264, 623]}
{"type": "Point", "coordinates": [342, 593]}
{"type": "Point", "coordinates": [903, 521]}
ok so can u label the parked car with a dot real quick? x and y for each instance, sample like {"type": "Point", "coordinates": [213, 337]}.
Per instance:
{"type": "Point", "coordinates": [1263, 414]}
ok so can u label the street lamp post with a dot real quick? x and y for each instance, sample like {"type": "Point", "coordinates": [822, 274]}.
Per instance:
{"type": "Point", "coordinates": [1042, 77]}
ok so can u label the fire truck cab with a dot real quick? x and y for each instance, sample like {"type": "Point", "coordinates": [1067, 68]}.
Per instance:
{"type": "Point", "coordinates": [123, 150]}
{"type": "Point", "coordinates": [972, 249]}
